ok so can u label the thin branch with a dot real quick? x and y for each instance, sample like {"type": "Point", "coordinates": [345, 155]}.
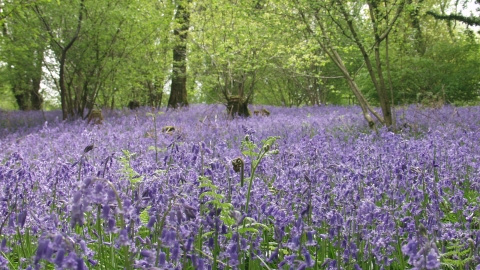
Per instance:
{"type": "Point", "coordinates": [471, 20]}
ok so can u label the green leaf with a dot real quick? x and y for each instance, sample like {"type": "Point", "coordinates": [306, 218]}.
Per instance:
{"type": "Point", "coordinates": [249, 153]}
{"type": "Point", "coordinates": [144, 216]}
{"type": "Point", "coordinates": [243, 230]}
{"type": "Point", "coordinates": [212, 194]}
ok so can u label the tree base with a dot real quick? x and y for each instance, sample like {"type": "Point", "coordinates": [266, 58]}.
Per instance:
{"type": "Point", "coordinates": [236, 105]}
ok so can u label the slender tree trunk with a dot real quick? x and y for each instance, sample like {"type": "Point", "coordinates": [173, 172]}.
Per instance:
{"type": "Point", "coordinates": [389, 77]}
{"type": "Point", "coordinates": [376, 75]}
{"type": "Point", "coordinates": [66, 108]}
{"type": "Point", "coordinates": [20, 97]}
{"type": "Point", "coordinates": [36, 99]}
{"type": "Point", "coordinates": [63, 88]}
{"type": "Point", "coordinates": [362, 101]}
{"type": "Point", "coordinates": [178, 92]}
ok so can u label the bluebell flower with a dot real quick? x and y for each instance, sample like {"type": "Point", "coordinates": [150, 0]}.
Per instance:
{"type": "Point", "coordinates": [59, 258]}
{"type": "Point", "coordinates": [122, 239]}
{"type": "Point", "coordinates": [151, 222]}
{"type": "Point", "coordinates": [3, 246]}
{"type": "Point", "coordinates": [161, 259]}
{"type": "Point", "coordinates": [175, 251]}
{"type": "Point", "coordinates": [200, 264]}
{"type": "Point", "coordinates": [3, 262]}
{"type": "Point", "coordinates": [273, 257]}
{"type": "Point", "coordinates": [310, 241]}
{"type": "Point", "coordinates": [233, 255]}
{"type": "Point", "coordinates": [22, 217]}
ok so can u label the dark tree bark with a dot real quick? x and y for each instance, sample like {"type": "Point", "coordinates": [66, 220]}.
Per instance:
{"type": "Point", "coordinates": [178, 92]}
{"type": "Point", "coordinates": [25, 75]}
{"type": "Point", "coordinates": [27, 92]}
{"type": "Point", "coordinates": [237, 106]}
{"type": "Point", "coordinates": [414, 21]}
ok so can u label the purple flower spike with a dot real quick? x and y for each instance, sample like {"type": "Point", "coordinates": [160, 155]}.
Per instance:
{"type": "Point", "coordinates": [161, 259]}
{"type": "Point", "coordinates": [410, 249]}
{"type": "Point", "coordinates": [233, 255]}
{"type": "Point", "coordinates": [3, 262]}
{"type": "Point", "coordinates": [123, 238]}
{"type": "Point", "coordinates": [244, 245]}
{"type": "Point", "coordinates": [3, 246]}
{"type": "Point", "coordinates": [151, 222]}
{"type": "Point", "coordinates": [145, 253]}
{"type": "Point", "coordinates": [41, 250]}
{"type": "Point", "coordinates": [210, 243]}
{"type": "Point", "coordinates": [308, 258]}
{"type": "Point", "coordinates": [58, 240]}
{"type": "Point", "coordinates": [310, 241]}
{"type": "Point", "coordinates": [111, 225]}
{"type": "Point", "coordinates": [273, 256]}
{"type": "Point", "coordinates": [200, 264]}
{"type": "Point", "coordinates": [189, 244]}
{"type": "Point", "coordinates": [433, 261]}
{"type": "Point", "coordinates": [98, 188]}
{"type": "Point", "coordinates": [224, 229]}
{"type": "Point", "coordinates": [105, 211]}
{"type": "Point", "coordinates": [302, 266]}
{"type": "Point", "coordinates": [11, 221]}
{"type": "Point", "coordinates": [81, 264]}
{"type": "Point", "coordinates": [59, 258]}
{"type": "Point", "coordinates": [76, 197]}
{"type": "Point", "coordinates": [22, 217]}
{"type": "Point", "coordinates": [111, 195]}
{"type": "Point", "coordinates": [175, 251]}
{"type": "Point", "coordinates": [87, 182]}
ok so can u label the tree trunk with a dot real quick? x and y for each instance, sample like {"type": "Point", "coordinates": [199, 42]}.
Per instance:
{"type": "Point", "coordinates": [27, 93]}
{"type": "Point", "coordinates": [21, 98]}
{"type": "Point", "coordinates": [178, 92]}
{"type": "Point", "coordinates": [36, 99]}
{"type": "Point", "coordinates": [63, 88]}
{"type": "Point", "coordinates": [66, 108]}
{"type": "Point", "coordinates": [236, 105]}
{"type": "Point", "coordinates": [362, 101]}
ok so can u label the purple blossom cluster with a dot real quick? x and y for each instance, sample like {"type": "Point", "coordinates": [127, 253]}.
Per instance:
{"type": "Point", "coordinates": [328, 193]}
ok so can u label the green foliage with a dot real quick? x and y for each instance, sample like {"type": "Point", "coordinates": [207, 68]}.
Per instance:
{"type": "Point", "coordinates": [447, 72]}
{"type": "Point", "coordinates": [7, 100]}
{"type": "Point", "coordinates": [457, 256]}
{"type": "Point", "coordinates": [130, 174]}
{"type": "Point", "coordinates": [217, 200]}
{"type": "Point", "coordinates": [144, 215]}
{"type": "Point", "coordinates": [261, 49]}
{"type": "Point", "coordinates": [256, 154]}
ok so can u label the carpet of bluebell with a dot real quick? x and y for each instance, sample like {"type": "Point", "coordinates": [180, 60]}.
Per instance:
{"type": "Point", "coordinates": [304, 188]}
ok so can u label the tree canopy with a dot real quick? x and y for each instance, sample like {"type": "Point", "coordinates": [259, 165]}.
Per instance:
{"type": "Point", "coordinates": [108, 53]}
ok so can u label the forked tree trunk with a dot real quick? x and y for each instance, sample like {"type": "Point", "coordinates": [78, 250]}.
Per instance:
{"type": "Point", "coordinates": [376, 74]}
{"type": "Point", "coordinates": [66, 108]}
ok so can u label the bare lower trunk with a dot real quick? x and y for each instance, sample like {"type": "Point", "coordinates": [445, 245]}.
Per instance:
{"type": "Point", "coordinates": [178, 93]}
{"type": "Point", "coordinates": [237, 106]}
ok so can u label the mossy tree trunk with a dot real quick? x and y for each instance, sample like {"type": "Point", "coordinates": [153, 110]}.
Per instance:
{"type": "Point", "coordinates": [178, 93]}
{"type": "Point", "coordinates": [237, 106]}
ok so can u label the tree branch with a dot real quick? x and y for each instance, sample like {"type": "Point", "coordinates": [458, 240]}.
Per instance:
{"type": "Point", "coordinates": [471, 20]}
